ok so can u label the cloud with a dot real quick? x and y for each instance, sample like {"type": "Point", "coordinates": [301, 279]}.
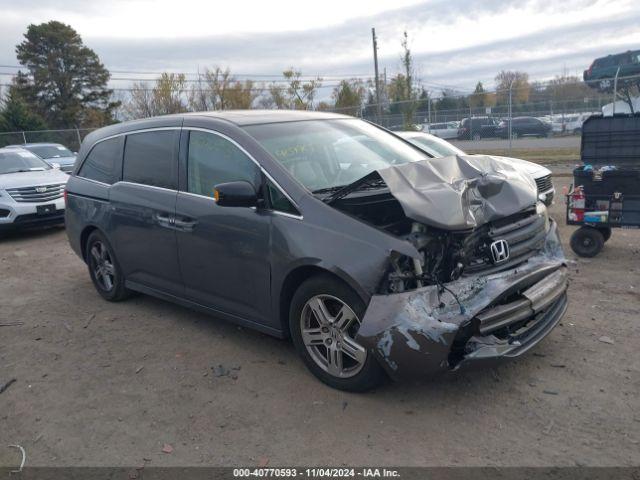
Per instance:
{"type": "Point", "coordinates": [455, 43]}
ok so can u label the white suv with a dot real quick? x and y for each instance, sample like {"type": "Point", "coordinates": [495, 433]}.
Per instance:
{"type": "Point", "coordinates": [31, 190]}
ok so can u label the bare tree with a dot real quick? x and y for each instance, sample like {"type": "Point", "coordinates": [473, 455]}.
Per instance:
{"type": "Point", "coordinates": [166, 96]}
{"type": "Point", "coordinates": [297, 94]}
{"type": "Point", "coordinates": [218, 89]}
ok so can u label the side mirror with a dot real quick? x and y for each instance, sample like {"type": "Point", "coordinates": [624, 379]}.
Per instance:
{"type": "Point", "coordinates": [235, 194]}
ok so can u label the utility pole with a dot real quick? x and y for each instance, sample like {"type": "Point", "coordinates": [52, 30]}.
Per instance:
{"type": "Point", "coordinates": [510, 115]}
{"type": "Point", "coordinates": [375, 65]}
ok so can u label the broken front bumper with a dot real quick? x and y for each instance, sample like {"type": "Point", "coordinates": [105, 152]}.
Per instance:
{"type": "Point", "coordinates": [474, 320]}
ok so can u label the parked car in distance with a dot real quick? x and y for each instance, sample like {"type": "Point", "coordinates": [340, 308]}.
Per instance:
{"type": "Point", "coordinates": [602, 72]}
{"type": "Point", "coordinates": [523, 127]}
{"type": "Point", "coordinates": [571, 123]}
{"type": "Point", "coordinates": [477, 128]}
{"type": "Point", "coordinates": [443, 130]}
{"type": "Point", "coordinates": [31, 190]}
{"type": "Point", "coordinates": [51, 153]}
{"type": "Point", "coordinates": [325, 229]}
{"type": "Point", "coordinates": [437, 147]}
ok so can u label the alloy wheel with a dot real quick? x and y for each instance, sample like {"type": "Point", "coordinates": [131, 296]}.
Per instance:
{"type": "Point", "coordinates": [103, 268]}
{"type": "Point", "coordinates": [328, 327]}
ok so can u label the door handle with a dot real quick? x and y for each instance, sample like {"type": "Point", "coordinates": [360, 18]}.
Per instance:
{"type": "Point", "coordinates": [164, 220]}
{"type": "Point", "coordinates": [185, 223]}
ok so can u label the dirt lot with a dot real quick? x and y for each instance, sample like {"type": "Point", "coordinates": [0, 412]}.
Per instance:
{"type": "Point", "coordinates": [110, 384]}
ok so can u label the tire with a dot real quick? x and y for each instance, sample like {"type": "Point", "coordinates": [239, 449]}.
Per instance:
{"type": "Point", "coordinates": [104, 269]}
{"type": "Point", "coordinates": [587, 242]}
{"type": "Point", "coordinates": [476, 137]}
{"type": "Point", "coordinates": [317, 307]}
{"type": "Point", "coordinates": [606, 233]}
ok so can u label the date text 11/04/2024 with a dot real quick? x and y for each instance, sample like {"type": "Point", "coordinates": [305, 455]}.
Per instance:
{"type": "Point", "coordinates": [317, 472]}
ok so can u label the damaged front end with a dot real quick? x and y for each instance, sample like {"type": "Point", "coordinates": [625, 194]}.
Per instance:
{"type": "Point", "coordinates": [489, 280]}
{"type": "Point", "coordinates": [477, 317]}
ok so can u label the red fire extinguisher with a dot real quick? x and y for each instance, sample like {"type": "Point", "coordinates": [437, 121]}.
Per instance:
{"type": "Point", "coordinates": [577, 204]}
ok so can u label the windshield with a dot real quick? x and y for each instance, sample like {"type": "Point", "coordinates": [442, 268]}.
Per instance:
{"type": "Point", "coordinates": [20, 161]}
{"type": "Point", "coordinates": [329, 154]}
{"type": "Point", "coordinates": [435, 146]}
{"type": "Point", "coordinates": [49, 151]}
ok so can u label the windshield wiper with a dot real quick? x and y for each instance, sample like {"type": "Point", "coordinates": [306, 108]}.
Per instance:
{"type": "Point", "coordinates": [328, 189]}
{"type": "Point", "coordinates": [372, 180]}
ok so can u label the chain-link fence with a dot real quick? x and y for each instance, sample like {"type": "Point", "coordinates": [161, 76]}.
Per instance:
{"type": "Point", "coordinates": [70, 138]}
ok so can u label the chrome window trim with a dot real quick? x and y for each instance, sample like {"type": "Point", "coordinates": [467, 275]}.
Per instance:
{"type": "Point", "coordinates": [96, 181]}
{"type": "Point", "coordinates": [198, 129]}
{"type": "Point", "coordinates": [136, 184]}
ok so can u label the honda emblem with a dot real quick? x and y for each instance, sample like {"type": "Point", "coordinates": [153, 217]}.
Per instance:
{"type": "Point", "coordinates": [500, 251]}
{"type": "Point", "coordinates": [41, 189]}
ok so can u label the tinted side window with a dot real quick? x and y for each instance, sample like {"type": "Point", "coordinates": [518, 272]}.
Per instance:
{"type": "Point", "coordinates": [212, 160]}
{"type": "Point", "coordinates": [100, 164]}
{"type": "Point", "coordinates": [149, 159]}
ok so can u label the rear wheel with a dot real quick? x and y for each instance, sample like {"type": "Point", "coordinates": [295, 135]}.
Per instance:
{"type": "Point", "coordinates": [587, 242]}
{"type": "Point", "coordinates": [324, 320]}
{"type": "Point", "coordinates": [104, 269]}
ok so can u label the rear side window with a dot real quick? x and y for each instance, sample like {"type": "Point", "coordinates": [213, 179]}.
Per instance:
{"type": "Point", "coordinates": [212, 160]}
{"type": "Point", "coordinates": [149, 159]}
{"type": "Point", "coordinates": [100, 164]}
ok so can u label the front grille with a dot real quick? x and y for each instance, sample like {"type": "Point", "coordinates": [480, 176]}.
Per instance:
{"type": "Point", "coordinates": [37, 194]}
{"type": "Point", "coordinates": [524, 233]}
{"type": "Point", "coordinates": [544, 183]}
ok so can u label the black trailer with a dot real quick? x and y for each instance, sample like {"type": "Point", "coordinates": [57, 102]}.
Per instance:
{"type": "Point", "coordinates": [606, 189]}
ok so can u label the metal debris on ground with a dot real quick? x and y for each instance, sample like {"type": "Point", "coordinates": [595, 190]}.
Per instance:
{"type": "Point", "coordinates": [139, 369]}
{"type": "Point", "coordinates": [605, 339]}
{"type": "Point", "coordinates": [24, 458]}
{"type": "Point", "coordinates": [11, 324]}
{"type": "Point", "coordinates": [7, 385]}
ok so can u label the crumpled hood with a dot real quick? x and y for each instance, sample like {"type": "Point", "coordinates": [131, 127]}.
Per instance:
{"type": "Point", "coordinates": [460, 192]}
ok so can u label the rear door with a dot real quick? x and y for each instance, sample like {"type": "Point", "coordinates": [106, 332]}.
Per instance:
{"type": "Point", "coordinates": [143, 208]}
{"type": "Point", "coordinates": [224, 252]}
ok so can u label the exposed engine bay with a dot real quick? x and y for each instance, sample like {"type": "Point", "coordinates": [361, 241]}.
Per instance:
{"type": "Point", "coordinates": [451, 210]}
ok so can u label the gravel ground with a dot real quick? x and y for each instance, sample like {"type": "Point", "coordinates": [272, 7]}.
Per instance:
{"type": "Point", "coordinates": [105, 384]}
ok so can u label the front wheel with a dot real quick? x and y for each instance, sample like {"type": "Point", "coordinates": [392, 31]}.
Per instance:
{"type": "Point", "coordinates": [324, 319]}
{"type": "Point", "coordinates": [587, 242]}
{"type": "Point", "coordinates": [104, 269]}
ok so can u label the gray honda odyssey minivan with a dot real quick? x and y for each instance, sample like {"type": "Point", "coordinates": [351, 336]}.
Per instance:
{"type": "Point", "coordinates": [375, 259]}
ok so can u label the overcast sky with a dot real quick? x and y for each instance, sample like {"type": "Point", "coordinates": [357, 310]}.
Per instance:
{"type": "Point", "coordinates": [455, 42]}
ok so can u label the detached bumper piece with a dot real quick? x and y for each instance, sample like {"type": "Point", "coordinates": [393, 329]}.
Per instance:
{"type": "Point", "coordinates": [535, 300]}
{"type": "Point", "coordinates": [510, 329]}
